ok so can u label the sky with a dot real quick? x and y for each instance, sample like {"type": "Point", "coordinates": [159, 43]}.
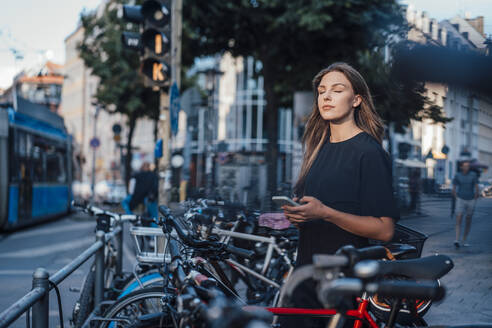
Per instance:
{"type": "Point", "coordinates": [37, 29]}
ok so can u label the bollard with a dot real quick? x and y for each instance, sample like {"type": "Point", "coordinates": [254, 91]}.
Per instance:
{"type": "Point", "coordinates": [99, 262]}
{"type": "Point", "coordinates": [40, 310]}
{"type": "Point", "coordinates": [119, 254]}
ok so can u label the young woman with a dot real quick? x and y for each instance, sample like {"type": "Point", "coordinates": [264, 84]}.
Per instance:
{"type": "Point", "coordinates": [345, 184]}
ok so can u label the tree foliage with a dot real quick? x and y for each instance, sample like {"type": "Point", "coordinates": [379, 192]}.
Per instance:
{"type": "Point", "coordinates": [120, 87]}
{"type": "Point", "coordinates": [297, 38]}
{"type": "Point", "coordinates": [398, 100]}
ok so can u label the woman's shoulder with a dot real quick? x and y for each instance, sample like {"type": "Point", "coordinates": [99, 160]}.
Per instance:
{"type": "Point", "coordinates": [367, 144]}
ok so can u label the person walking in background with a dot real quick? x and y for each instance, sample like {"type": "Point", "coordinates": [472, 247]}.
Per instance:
{"type": "Point", "coordinates": [414, 188]}
{"type": "Point", "coordinates": [144, 191]}
{"type": "Point", "coordinates": [465, 190]}
{"type": "Point", "coordinates": [453, 205]}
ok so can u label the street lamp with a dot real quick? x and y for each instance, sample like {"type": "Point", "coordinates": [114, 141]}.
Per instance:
{"type": "Point", "coordinates": [211, 124]}
{"type": "Point", "coordinates": [94, 143]}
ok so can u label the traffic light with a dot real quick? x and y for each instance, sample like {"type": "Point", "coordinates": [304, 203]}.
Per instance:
{"type": "Point", "coordinates": [154, 41]}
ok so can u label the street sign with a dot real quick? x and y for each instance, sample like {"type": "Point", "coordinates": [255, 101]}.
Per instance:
{"type": "Point", "coordinates": [177, 161]}
{"type": "Point", "coordinates": [174, 103]}
{"type": "Point", "coordinates": [95, 143]}
{"type": "Point", "coordinates": [116, 128]}
{"type": "Point", "coordinates": [131, 40]}
{"type": "Point", "coordinates": [158, 149]}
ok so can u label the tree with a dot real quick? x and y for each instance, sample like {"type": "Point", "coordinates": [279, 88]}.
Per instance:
{"type": "Point", "coordinates": [120, 84]}
{"type": "Point", "coordinates": [398, 99]}
{"type": "Point", "coordinates": [294, 40]}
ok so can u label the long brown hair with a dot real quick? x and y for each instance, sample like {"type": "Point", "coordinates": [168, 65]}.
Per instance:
{"type": "Point", "coordinates": [317, 129]}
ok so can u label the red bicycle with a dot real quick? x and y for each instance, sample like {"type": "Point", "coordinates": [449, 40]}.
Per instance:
{"type": "Point", "coordinates": [428, 268]}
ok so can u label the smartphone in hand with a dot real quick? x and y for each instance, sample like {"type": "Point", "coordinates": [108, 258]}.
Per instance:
{"type": "Point", "coordinates": [284, 200]}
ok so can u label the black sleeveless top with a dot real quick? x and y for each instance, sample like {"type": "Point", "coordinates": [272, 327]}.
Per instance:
{"type": "Point", "coordinates": [352, 176]}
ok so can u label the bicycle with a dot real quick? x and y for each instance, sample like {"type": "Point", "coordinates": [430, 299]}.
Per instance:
{"type": "Point", "coordinates": [159, 301]}
{"type": "Point", "coordinates": [106, 221]}
{"type": "Point", "coordinates": [341, 262]}
{"type": "Point", "coordinates": [211, 249]}
{"type": "Point", "coordinates": [428, 268]}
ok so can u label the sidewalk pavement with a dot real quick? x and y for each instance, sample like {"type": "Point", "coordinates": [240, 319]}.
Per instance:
{"type": "Point", "coordinates": [469, 284]}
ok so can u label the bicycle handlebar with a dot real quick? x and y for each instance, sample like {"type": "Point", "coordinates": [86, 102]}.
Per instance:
{"type": "Point", "coordinates": [93, 210]}
{"type": "Point", "coordinates": [346, 258]}
{"type": "Point", "coordinates": [355, 255]}
{"type": "Point", "coordinates": [333, 293]}
{"type": "Point", "coordinates": [190, 241]}
{"type": "Point", "coordinates": [408, 289]}
{"type": "Point", "coordinates": [213, 202]}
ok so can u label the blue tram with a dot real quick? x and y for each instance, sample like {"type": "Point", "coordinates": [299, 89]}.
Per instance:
{"type": "Point", "coordinates": [35, 165]}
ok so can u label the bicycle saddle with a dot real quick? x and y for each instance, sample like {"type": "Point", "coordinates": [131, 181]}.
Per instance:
{"type": "Point", "coordinates": [430, 267]}
{"type": "Point", "coordinates": [288, 233]}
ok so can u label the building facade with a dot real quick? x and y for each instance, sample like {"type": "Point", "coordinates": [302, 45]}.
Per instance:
{"type": "Point", "coordinates": [440, 147]}
{"type": "Point", "coordinates": [40, 85]}
{"type": "Point", "coordinates": [226, 128]}
{"type": "Point", "coordinates": [79, 111]}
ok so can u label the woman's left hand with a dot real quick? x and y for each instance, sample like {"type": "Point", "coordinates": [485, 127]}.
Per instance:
{"type": "Point", "coordinates": [310, 209]}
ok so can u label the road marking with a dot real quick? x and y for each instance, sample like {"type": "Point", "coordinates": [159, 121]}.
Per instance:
{"type": "Point", "coordinates": [51, 230]}
{"type": "Point", "coordinates": [50, 249]}
{"type": "Point", "coordinates": [31, 271]}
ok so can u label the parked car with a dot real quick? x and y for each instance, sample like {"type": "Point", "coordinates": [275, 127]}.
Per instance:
{"type": "Point", "coordinates": [81, 190]}
{"type": "Point", "coordinates": [110, 192]}
{"type": "Point", "coordinates": [444, 190]}
{"type": "Point", "coordinates": [485, 189]}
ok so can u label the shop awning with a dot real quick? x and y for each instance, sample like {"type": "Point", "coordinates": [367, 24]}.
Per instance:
{"type": "Point", "coordinates": [410, 163]}
{"type": "Point", "coordinates": [476, 164]}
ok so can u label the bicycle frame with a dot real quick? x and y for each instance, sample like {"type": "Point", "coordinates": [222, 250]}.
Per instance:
{"type": "Point", "coordinates": [272, 246]}
{"type": "Point", "coordinates": [360, 314]}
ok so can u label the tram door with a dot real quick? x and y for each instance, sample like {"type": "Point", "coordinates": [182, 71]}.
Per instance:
{"type": "Point", "coordinates": [24, 179]}
{"type": "Point", "coordinates": [25, 192]}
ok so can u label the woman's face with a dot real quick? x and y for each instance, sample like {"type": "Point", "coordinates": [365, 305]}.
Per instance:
{"type": "Point", "coordinates": [336, 98]}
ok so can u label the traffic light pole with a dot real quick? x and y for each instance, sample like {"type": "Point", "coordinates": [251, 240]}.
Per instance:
{"type": "Point", "coordinates": [164, 106]}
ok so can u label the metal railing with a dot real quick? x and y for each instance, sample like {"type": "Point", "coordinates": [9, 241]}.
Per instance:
{"type": "Point", "coordinates": [43, 283]}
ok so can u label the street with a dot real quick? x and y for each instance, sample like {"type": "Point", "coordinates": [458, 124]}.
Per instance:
{"type": "Point", "coordinates": [469, 283]}
{"type": "Point", "coordinates": [54, 244]}
{"type": "Point", "coordinates": [51, 245]}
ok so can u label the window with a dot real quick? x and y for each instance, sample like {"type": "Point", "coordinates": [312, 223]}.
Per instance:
{"type": "Point", "coordinates": [245, 122]}
{"type": "Point", "coordinates": [55, 166]}
{"type": "Point", "coordinates": [254, 121]}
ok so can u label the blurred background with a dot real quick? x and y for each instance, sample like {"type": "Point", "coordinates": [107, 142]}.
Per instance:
{"type": "Point", "coordinates": [243, 95]}
{"type": "Point", "coordinates": [210, 99]}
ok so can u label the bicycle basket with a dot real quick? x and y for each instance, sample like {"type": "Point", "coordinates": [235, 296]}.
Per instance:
{"type": "Point", "coordinates": [151, 244]}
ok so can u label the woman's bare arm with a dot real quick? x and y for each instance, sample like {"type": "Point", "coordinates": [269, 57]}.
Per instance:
{"type": "Point", "coordinates": [380, 228]}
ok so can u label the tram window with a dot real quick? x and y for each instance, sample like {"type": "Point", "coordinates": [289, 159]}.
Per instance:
{"type": "Point", "coordinates": [55, 167]}
{"type": "Point", "coordinates": [38, 168]}
{"type": "Point", "coordinates": [36, 158]}
{"type": "Point", "coordinates": [19, 156]}
{"type": "Point", "coordinates": [14, 164]}
{"type": "Point", "coordinates": [21, 144]}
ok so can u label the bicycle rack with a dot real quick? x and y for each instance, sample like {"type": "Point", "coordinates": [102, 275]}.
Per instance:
{"type": "Point", "coordinates": [43, 283]}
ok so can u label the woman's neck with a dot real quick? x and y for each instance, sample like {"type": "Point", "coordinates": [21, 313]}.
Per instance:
{"type": "Point", "coordinates": [343, 131]}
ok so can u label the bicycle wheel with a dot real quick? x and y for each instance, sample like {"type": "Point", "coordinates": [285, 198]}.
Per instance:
{"type": "Point", "coordinates": [126, 311]}
{"type": "Point", "coordinates": [381, 308]}
{"type": "Point", "coordinates": [85, 304]}
{"type": "Point", "coordinates": [151, 278]}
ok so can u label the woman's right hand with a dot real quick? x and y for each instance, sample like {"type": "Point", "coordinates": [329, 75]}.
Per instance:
{"type": "Point", "coordinates": [291, 220]}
